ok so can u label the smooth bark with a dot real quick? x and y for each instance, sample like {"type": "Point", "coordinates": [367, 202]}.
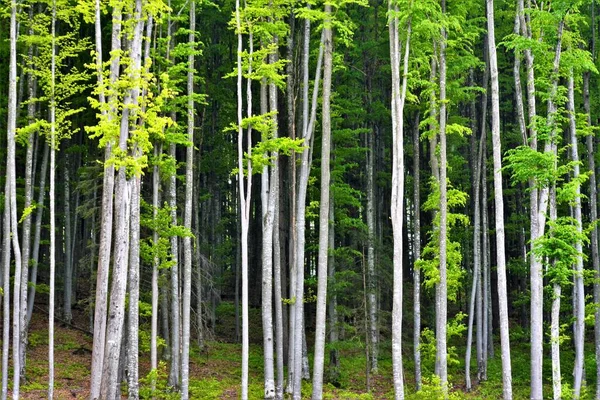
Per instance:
{"type": "Point", "coordinates": [499, 207]}
{"type": "Point", "coordinates": [320, 324]}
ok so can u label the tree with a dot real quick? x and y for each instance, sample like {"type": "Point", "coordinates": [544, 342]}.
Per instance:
{"type": "Point", "coordinates": [323, 208]}
{"type": "Point", "coordinates": [398, 100]}
{"type": "Point", "coordinates": [499, 203]}
{"type": "Point", "coordinates": [442, 289]}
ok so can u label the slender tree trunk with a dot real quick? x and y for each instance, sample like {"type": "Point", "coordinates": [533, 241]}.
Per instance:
{"type": "Point", "coordinates": [476, 267]}
{"type": "Point", "coordinates": [334, 359]}
{"type": "Point", "coordinates": [155, 265]}
{"type": "Point", "coordinates": [371, 276]}
{"type": "Point", "coordinates": [417, 252]}
{"type": "Point", "coordinates": [267, 205]}
{"type": "Point", "coordinates": [499, 207]}
{"type": "Point", "coordinates": [397, 198]}
{"type": "Point", "coordinates": [6, 250]}
{"type": "Point", "coordinates": [68, 267]}
{"type": "Point", "coordinates": [593, 217]}
{"type": "Point", "coordinates": [26, 240]}
{"type": "Point", "coordinates": [486, 328]}
{"type": "Point", "coordinates": [555, 342]}
{"type": "Point", "coordinates": [441, 298]}
{"type": "Point", "coordinates": [11, 177]}
{"type": "Point", "coordinates": [175, 368]}
{"type": "Point", "coordinates": [187, 240]}
{"type": "Point", "coordinates": [134, 291]}
{"type": "Point", "coordinates": [580, 297]}
{"type": "Point", "coordinates": [278, 296]}
{"type": "Point", "coordinates": [320, 324]}
{"type": "Point", "coordinates": [106, 225]}
{"type": "Point", "coordinates": [245, 191]}
{"type": "Point", "coordinates": [37, 233]}
{"type": "Point", "coordinates": [53, 145]}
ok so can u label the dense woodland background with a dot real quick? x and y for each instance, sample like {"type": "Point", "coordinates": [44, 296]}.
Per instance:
{"type": "Point", "coordinates": [376, 200]}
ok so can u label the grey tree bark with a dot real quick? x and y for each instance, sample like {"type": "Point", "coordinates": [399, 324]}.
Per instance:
{"type": "Point", "coordinates": [245, 191]}
{"type": "Point", "coordinates": [580, 295]}
{"type": "Point", "coordinates": [397, 198]}
{"type": "Point", "coordinates": [298, 333]}
{"type": "Point", "coordinates": [37, 232]}
{"type": "Point", "coordinates": [417, 251]}
{"type": "Point", "coordinates": [593, 217]}
{"type": "Point", "coordinates": [476, 265]}
{"type": "Point", "coordinates": [187, 222]}
{"type": "Point", "coordinates": [134, 291]}
{"type": "Point", "coordinates": [68, 267]}
{"type": "Point", "coordinates": [155, 265]}
{"type": "Point", "coordinates": [371, 275]}
{"type": "Point", "coordinates": [320, 324]}
{"type": "Point", "coordinates": [499, 207]}
{"type": "Point", "coordinates": [106, 224]}
{"type": "Point", "coordinates": [5, 292]}
{"type": "Point", "coordinates": [441, 296]}
{"type": "Point", "coordinates": [109, 387]}
{"type": "Point", "coordinates": [334, 359]}
{"type": "Point", "coordinates": [11, 193]}
{"type": "Point", "coordinates": [52, 209]}
{"type": "Point", "coordinates": [26, 239]}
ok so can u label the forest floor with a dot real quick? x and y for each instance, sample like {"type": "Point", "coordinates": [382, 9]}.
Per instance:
{"type": "Point", "coordinates": [216, 368]}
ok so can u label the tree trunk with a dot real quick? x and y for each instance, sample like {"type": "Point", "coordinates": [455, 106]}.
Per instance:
{"type": "Point", "coordinates": [371, 275]}
{"type": "Point", "coordinates": [308, 125]}
{"type": "Point", "coordinates": [320, 325]}
{"type": "Point", "coordinates": [593, 217]}
{"type": "Point", "coordinates": [11, 193]}
{"type": "Point", "coordinates": [279, 324]}
{"type": "Point", "coordinates": [245, 192]}
{"type": "Point", "coordinates": [441, 298]}
{"type": "Point", "coordinates": [555, 342]}
{"type": "Point", "coordinates": [397, 198]}
{"type": "Point", "coordinates": [134, 291]}
{"type": "Point", "coordinates": [417, 252]}
{"type": "Point", "coordinates": [123, 196]}
{"type": "Point", "coordinates": [578, 284]}
{"type": "Point", "coordinates": [187, 222]}
{"type": "Point", "coordinates": [68, 267]}
{"type": "Point", "coordinates": [6, 293]}
{"type": "Point", "coordinates": [499, 207]}
{"type": "Point", "coordinates": [475, 292]}
{"type": "Point", "coordinates": [334, 358]}
{"type": "Point", "coordinates": [155, 265]}
{"type": "Point", "coordinates": [37, 233]}
{"type": "Point", "coordinates": [106, 225]}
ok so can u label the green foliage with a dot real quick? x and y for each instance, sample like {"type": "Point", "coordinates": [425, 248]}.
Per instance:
{"type": "Point", "coordinates": [431, 389]}
{"type": "Point", "coordinates": [454, 329]}
{"type": "Point", "coordinates": [430, 259]}
{"type": "Point", "coordinates": [557, 249]}
{"type": "Point", "coordinates": [526, 163]}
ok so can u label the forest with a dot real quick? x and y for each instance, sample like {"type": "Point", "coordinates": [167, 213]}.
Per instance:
{"type": "Point", "coordinates": [293, 199]}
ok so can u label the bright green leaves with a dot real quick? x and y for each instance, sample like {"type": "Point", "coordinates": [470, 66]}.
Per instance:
{"type": "Point", "coordinates": [162, 224]}
{"type": "Point", "coordinates": [430, 257]}
{"type": "Point", "coordinates": [557, 249]}
{"type": "Point", "coordinates": [526, 163]}
{"type": "Point", "coordinates": [71, 79]}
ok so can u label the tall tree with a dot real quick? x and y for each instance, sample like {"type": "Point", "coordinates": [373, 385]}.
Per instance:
{"type": "Point", "coordinates": [52, 208]}
{"type": "Point", "coordinates": [397, 200]}
{"type": "Point", "coordinates": [442, 290]}
{"type": "Point", "coordinates": [323, 208]}
{"type": "Point", "coordinates": [499, 206]}
{"type": "Point", "coordinates": [187, 223]}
